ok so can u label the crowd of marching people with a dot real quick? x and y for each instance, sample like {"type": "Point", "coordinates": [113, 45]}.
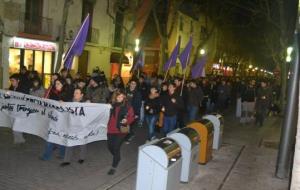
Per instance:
{"type": "Point", "coordinates": [149, 101]}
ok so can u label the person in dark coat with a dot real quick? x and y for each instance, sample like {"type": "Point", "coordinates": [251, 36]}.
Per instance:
{"type": "Point", "coordinates": [15, 86]}
{"type": "Point", "coordinates": [171, 105]}
{"type": "Point", "coordinates": [223, 95]}
{"type": "Point", "coordinates": [194, 99]}
{"type": "Point", "coordinates": [25, 82]}
{"type": "Point", "coordinates": [152, 109]}
{"type": "Point", "coordinates": [121, 114]}
{"type": "Point", "coordinates": [263, 100]}
{"type": "Point", "coordinates": [134, 98]}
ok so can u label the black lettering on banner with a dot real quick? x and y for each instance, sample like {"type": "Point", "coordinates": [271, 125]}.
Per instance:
{"type": "Point", "coordinates": [51, 116]}
{"type": "Point", "coordinates": [70, 137]}
{"type": "Point", "coordinates": [52, 132]}
{"type": "Point", "coordinates": [77, 111]}
{"type": "Point", "coordinates": [8, 107]}
{"type": "Point", "coordinates": [43, 112]}
{"type": "Point", "coordinates": [27, 110]}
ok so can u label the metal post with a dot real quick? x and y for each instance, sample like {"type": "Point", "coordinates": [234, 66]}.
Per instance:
{"type": "Point", "coordinates": [289, 124]}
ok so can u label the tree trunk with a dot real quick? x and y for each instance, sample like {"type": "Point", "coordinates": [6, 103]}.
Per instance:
{"type": "Point", "coordinates": [163, 53]}
{"type": "Point", "coordinates": [67, 3]}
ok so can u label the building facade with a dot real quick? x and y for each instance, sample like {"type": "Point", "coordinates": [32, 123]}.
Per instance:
{"type": "Point", "coordinates": [30, 33]}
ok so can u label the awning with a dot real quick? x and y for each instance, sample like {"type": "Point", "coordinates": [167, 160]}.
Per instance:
{"type": "Point", "coordinates": [115, 58]}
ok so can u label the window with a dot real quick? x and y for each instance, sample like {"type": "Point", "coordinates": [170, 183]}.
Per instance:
{"type": "Point", "coordinates": [14, 60]}
{"type": "Point", "coordinates": [33, 16]}
{"type": "Point", "coordinates": [88, 8]}
{"type": "Point", "coordinates": [118, 29]}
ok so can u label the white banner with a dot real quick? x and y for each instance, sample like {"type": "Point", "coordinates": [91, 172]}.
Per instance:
{"type": "Point", "coordinates": [64, 123]}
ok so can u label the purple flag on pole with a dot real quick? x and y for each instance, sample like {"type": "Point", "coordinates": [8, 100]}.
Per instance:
{"type": "Point", "coordinates": [77, 45]}
{"type": "Point", "coordinates": [172, 60]}
{"type": "Point", "coordinates": [139, 62]}
{"type": "Point", "coordinates": [197, 69]}
{"type": "Point", "coordinates": [185, 54]}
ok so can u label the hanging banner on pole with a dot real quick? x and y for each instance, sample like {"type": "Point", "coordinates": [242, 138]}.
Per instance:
{"type": "Point", "coordinates": [64, 123]}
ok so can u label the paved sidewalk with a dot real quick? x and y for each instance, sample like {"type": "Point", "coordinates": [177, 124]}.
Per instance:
{"type": "Point", "coordinates": [245, 161]}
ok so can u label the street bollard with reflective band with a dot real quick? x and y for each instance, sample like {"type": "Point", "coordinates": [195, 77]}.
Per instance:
{"type": "Point", "coordinates": [159, 165]}
{"type": "Point", "coordinates": [205, 130]}
{"type": "Point", "coordinates": [218, 124]}
{"type": "Point", "coordinates": [188, 140]}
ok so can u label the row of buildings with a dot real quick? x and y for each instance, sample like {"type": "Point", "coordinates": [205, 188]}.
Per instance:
{"type": "Point", "coordinates": [30, 32]}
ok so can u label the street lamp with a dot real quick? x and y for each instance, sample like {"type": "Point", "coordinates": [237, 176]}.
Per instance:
{"type": "Point", "coordinates": [250, 66]}
{"type": "Point", "coordinates": [137, 43]}
{"type": "Point", "coordinates": [202, 51]}
{"type": "Point", "coordinates": [256, 68]}
{"type": "Point", "coordinates": [289, 52]}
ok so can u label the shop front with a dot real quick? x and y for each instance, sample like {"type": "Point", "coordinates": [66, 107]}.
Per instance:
{"type": "Point", "coordinates": [36, 55]}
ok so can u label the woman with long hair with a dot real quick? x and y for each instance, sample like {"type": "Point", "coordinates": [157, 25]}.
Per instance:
{"type": "Point", "coordinates": [121, 117]}
{"type": "Point", "coordinates": [57, 94]}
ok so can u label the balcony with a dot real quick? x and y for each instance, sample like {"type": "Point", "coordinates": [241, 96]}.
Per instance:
{"type": "Point", "coordinates": [35, 26]}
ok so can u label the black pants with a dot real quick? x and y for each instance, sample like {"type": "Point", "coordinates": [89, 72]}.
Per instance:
{"type": "Point", "coordinates": [114, 142]}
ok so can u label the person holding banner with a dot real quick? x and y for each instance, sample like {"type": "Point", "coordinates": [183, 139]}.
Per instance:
{"type": "Point", "coordinates": [57, 94]}
{"type": "Point", "coordinates": [121, 117]}
{"type": "Point", "coordinates": [15, 86]}
{"type": "Point", "coordinates": [77, 97]}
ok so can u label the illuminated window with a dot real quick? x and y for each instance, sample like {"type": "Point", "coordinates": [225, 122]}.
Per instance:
{"type": "Point", "coordinates": [28, 59]}
{"type": "Point", "coordinates": [14, 61]}
{"type": "Point", "coordinates": [38, 62]}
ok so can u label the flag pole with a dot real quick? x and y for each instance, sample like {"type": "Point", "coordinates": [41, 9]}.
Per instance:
{"type": "Point", "coordinates": [184, 76]}
{"type": "Point", "coordinates": [179, 40]}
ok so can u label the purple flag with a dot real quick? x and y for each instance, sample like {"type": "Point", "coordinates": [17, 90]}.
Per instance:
{"type": "Point", "coordinates": [77, 44]}
{"type": "Point", "coordinates": [185, 54]}
{"type": "Point", "coordinates": [139, 62]}
{"type": "Point", "coordinates": [197, 69]}
{"type": "Point", "coordinates": [172, 60]}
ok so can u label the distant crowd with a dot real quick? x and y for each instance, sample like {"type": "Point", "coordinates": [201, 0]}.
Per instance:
{"type": "Point", "coordinates": [151, 101]}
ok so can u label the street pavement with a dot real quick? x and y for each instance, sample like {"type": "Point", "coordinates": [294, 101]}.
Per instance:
{"type": "Point", "coordinates": [245, 161]}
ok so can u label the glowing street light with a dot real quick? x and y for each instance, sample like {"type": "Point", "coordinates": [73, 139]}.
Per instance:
{"type": "Point", "coordinates": [202, 51]}
{"type": "Point", "coordinates": [256, 68]}
{"type": "Point", "coordinates": [289, 52]}
{"type": "Point", "coordinates": [250, 66]}
{"type": "Point", "coordinates": [137, 43]}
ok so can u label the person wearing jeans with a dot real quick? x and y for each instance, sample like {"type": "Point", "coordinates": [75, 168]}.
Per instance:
{"type": "Point", "coordinates": [171, 104]}
{"type": "Point", "coordinates": [49, 150]}
{"type": "Point", "coordinates": [152, 109]}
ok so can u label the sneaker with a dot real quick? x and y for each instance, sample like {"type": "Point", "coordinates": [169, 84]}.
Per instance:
{"type": "Point", "coordinates": [112, 171]}
{"type": "Point", "coordinates": [80, 161]}
{"type": "Point", "coordinates": [65, 164]}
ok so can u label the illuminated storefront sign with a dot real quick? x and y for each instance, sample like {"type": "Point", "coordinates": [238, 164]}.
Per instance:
{"type": "Point", "coordinates": [33, 44]}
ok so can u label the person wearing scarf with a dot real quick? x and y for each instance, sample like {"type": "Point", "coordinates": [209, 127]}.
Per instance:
{"type": "Point", "coordinates": [121, 115]}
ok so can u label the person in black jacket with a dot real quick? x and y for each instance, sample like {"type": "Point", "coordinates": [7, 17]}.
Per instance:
{"type": "Point", "coordinates": [15, 86]}
{"type": "Point", "coordinates": [152, 109]}
{"type": "Point", "coordinates": [134, 98]}
{"type": "Point", "coordinates": [194, 99]}
{"type": "Point", "coordinates": [248, 102]}
{"type": "Point", "coordinates": [171, 105]}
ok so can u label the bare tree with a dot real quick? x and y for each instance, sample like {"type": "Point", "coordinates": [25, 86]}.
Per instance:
{"type": "Point", "coordinates": [128, 11]}
{"type": "Point", "coordinates": [62, 32]}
